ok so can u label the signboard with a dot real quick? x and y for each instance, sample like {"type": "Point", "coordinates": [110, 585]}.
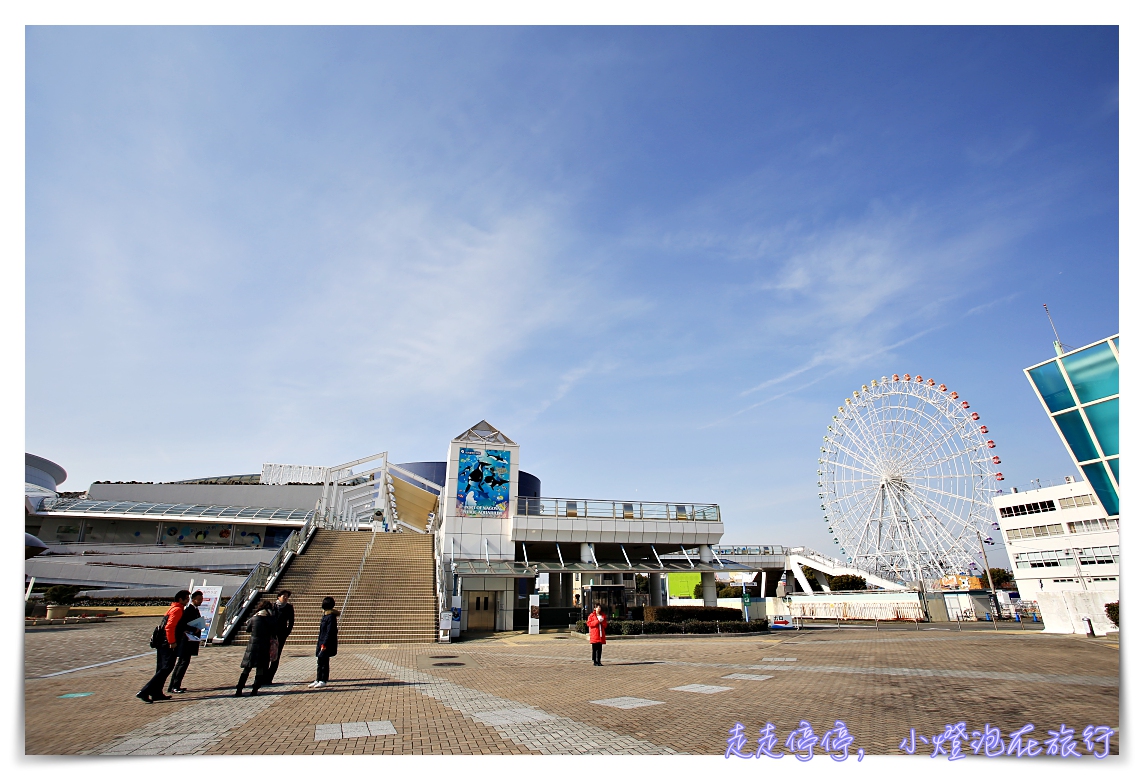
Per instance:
{"type": "Point", "coordinates": [534, 613]}
{"type": "Point", "coordinates": [782, 621]}
{"type": "Point", "coordinates": [746, 606]}
{"type": "Point", "coordinates": [446, 621]}
{"type": "Point", "coordinates": [212, 595]}
{"type": "Point", "coordinates": [483, 478]}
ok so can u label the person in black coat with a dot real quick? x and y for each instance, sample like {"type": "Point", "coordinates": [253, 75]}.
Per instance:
{"type": "Point", "coordinates": [185, 647]}
{"type": "Point", "coordinates": [327, 642]}
{"type": "Point", "coordinates": [284, 624]}
{"type": "Point", "coordinates": [257, 656]}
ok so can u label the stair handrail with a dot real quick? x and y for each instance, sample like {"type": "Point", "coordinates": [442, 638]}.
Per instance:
{"type": "Point", "coordinates": [262, 577]}
{"type": "Point", "coordinates": [361, 568]}
{"type": "Point", "coordinates": [439, 582]}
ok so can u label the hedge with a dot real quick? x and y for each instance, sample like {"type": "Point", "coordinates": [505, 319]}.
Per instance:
{"type": "Point", "coordinates": [1113, 612]}
{"type": "Point", "coordinates": [679, 614]}
{"type": "Point", "coordinates": [635, 627]}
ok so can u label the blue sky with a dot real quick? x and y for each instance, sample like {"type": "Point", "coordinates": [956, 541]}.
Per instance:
{"type": "Point", "coordinates": [657, 258]}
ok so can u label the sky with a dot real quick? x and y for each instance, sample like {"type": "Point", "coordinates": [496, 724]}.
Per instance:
{"type": "Point", "coordinates": [657, 258]}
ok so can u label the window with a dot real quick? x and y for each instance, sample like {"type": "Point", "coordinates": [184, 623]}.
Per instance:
{"type": "Point", "coordinates": [1077, 501]}
{"type": "Point", "coordinates": [1094, 372]}
{"type": "Point", "coordinates": [1032, 532]}
{"type": "Point", "coordinates": [1104, 418]}
{"type": "Point", "coordinates": [1092, 526]}
{"type": "Point", "coordinates": [1098, 478]}
{"type": "Point", "coordinates": [1044, 559]}
{"type": "Point", "coordinates": [1076, 435]}
{"type": "Point", "coordinates": [1050, 383]}
{"type": "Point", "coordinates": [1092, 556]}
{"type": "Point", "coordinates": [1028, 509]}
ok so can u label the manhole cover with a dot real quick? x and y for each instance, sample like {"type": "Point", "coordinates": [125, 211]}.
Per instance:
{"type": "Point", "coordinates": [442, 656]}
{"type": "Point", "coordinates": [451, 663]}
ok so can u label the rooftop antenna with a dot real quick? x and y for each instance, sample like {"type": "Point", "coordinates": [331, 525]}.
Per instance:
{"type": "Point", "coordinates": [1057, 345]}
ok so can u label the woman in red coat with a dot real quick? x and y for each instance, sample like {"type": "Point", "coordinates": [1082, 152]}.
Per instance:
{"type": "Point", "coordinates": [597, 633]}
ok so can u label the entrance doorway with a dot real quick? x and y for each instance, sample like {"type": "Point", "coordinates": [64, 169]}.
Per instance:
{"type": "Point", "coordinates": [482, 610]}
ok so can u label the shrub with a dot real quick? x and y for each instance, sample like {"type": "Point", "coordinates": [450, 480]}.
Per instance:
{"type": "Point", "coordinates": [637, 613]}
{"type": "Point", "coordinates": [630, 627]}
{"type": "Point", "coordinates": [582, 626]}
{"type": "Point", "coordinates": [679, 614]}
{"type": "Point", "coordinates": [846, 582]}
{"type": "Point", "coordinates": [742, 626]}
{"type": "Point", "coordinates": [699, 626]}
{"type": "Point", "coordinates": [61, 594]}
{"type": "Point", "coordinates": [661, 627]}
{"type": "Point", "coordinates": [1113, 612]}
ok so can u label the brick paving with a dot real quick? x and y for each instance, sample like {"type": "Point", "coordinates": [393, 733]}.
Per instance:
{"type": "Point", "coordinates": [520, 694]}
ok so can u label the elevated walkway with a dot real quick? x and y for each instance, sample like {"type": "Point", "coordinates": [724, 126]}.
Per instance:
{"type": "Point", "coordinates": [797, 557]}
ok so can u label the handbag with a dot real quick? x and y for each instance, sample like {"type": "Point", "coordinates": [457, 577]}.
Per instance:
{"type": "Point", "coordinates": [159, 635]}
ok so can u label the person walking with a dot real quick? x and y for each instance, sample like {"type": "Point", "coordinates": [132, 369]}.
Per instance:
{"type": "Point", "coordinates": [597, 633]}
{"type": "Point", "coordinates": [327, 642]}
{"type": "Point", "coordinates": [259, 650]}
{"type": "Point", "coordinates": [283, 625]}
{"type": "Point", "coordinates": [186, 646]}
{"type": "Point", "coordinates": [165, 641]}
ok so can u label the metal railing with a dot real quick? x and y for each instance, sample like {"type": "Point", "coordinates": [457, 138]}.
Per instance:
{"type": "Point", "coordinates": [262, 577]}
{"type": "Point", "coordinates": [615, 510]}
{"type": "Point", "coordinates": [361, 567]}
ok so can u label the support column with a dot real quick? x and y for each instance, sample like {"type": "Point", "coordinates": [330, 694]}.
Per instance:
{"type": "Point", "coordinates": [555, 591]}
{"type": "Point", "coordinates": [710, 593]}
{"type": "Point", "coordinates": [566, 587]}
{"type": "Point", "coordinates": [655, 588]}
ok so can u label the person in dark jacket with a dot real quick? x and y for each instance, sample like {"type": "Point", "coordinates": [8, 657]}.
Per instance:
{"type": "Point", "coordinates": [165, 652]}
{"type": "Point", "coordinates": [186, 647]}
{"type": "Point", "coordinates": [327, 642]}
{"type": "Point", "coordinates": [284, 624]}
{"type": "Point", "coordinates": [258, 650]}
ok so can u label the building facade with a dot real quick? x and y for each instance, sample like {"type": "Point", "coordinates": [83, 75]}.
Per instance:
{"type": "Point", "coordinates": [1080, 391]}
{"type": "Point", "coordinates": [1064, 540]}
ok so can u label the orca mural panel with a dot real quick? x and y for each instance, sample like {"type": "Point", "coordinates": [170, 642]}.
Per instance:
{"type": "Point", "coordinates": [483, 482]}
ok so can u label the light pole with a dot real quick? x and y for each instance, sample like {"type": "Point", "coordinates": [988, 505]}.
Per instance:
{"type": "Point", "coordinates": [989, 575]}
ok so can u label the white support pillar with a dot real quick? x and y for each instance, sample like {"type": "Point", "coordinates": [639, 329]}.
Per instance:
{"type": "Point", "coordinates": [710, 593]}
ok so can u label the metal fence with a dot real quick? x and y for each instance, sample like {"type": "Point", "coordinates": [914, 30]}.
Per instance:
{"type": "Point", "coordinates": [615, 510]}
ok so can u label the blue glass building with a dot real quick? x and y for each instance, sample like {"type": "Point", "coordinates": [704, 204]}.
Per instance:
{"type": "Point", "coordinates": [1080, 391]}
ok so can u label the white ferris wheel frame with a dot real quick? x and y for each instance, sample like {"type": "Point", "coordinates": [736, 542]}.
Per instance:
{"type": "Point", "coordinates": [905, 479]}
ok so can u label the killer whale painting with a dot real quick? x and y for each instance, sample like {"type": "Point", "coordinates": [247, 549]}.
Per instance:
{"type": "Point", "coordinates": [483, 482]}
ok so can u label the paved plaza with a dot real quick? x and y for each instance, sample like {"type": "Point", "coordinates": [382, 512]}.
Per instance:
{"type": "Point", "coordinates": [520, 694]}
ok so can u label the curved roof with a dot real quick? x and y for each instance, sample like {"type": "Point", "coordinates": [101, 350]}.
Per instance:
{"type": "Point", "coordinates": [54, 470]}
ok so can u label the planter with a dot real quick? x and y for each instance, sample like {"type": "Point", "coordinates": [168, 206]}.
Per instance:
{"type": "Point", "coordinates": [57, 611]}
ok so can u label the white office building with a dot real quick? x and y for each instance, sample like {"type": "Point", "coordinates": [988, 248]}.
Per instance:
{"type": "Point", "coordinates": [1065, 551]}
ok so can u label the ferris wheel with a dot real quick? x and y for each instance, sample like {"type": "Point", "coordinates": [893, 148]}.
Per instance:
{"type": "Point", "coordinates": [905, 479]}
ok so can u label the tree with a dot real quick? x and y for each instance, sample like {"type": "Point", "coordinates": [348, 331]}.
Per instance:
{"type": "Point", "coordinates": [847, 582]}
{"type": "Point", "coordinates": [1001, 578]}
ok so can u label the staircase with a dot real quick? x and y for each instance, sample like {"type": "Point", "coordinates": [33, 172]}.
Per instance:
{"type": "Point", "coordinates": [395, 599]}
{"type": "Point", "coordinates": [330, 561]}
